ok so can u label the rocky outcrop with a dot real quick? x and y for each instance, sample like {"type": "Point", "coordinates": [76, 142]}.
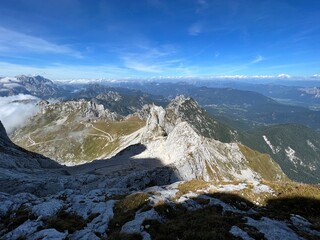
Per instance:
{"type": "Point", "coordinates": [177, 143]}
{"type": "Point", "coordinates": [94, 110]}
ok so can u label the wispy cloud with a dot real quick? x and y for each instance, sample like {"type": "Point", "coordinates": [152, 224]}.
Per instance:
{"type": "Point", "coordinates": [141, 67]}
{"type": "Point", "coordinates": [149, 59]}
{"type": "Point", "coordinates": [195, 29]}
{"type": "Point", "coordinates": [293, 65]}
{"type": "Point", "coordinates": [16, 42]}
{"type": "Point", "coordinates": [62, 71]}
{"type": "Point", "coordinates": [259, 58]}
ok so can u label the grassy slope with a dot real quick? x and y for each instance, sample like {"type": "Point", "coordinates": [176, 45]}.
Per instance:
{"type": "Point", "coordinates": [74, 140]}
{"type": "Point", "coordinates": [263, 164]}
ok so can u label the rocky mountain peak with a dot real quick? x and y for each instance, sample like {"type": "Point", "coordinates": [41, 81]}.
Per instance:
{"type": "Point", "coordinates": [33, 85]}
{"type": "Point", "coordinates": [156, 124]}
{"type": "Point", "coordinates": [180, 99]}
{"type": "Point", "coordinates": [95, 110]}
{"type": "Point", "coordinates": [42, 105]}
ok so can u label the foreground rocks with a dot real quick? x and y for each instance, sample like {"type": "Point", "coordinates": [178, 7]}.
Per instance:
{"type": "Point", "coordinates": [98, 214]}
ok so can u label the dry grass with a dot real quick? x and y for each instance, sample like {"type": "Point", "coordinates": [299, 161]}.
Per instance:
{"type": "Point", "coordinates": [74, 139]}
{"type": "Point", "coordinates": [191, 186]}
{"type": "Point", "coordinates": [16, 218]}
{"type": "Point", "coordinates": [125, 210]}
{"type": "Point", "coordinates": [66, 221]}
{"type": "Point", "coordinates": [263, 164]}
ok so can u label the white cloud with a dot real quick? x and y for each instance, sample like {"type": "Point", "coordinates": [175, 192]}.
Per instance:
{"type": "Point", "coordinates": [16, 42]}
{"type": "Point", "coordinates": [195, 29]}
{"type": "Point", "coordinates": [259, 58]}
{"type": "Point", "coordinates": [149, 58]}
{"type": "Point", "coordinates": [284, 75]}
{"type": "Point", "coordinates": [14, 114]}
{"type": "Point", "coordinates": [141, 67]}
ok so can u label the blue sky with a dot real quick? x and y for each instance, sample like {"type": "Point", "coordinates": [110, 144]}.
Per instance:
{"type": "Point", "coordinates": [63, 39]}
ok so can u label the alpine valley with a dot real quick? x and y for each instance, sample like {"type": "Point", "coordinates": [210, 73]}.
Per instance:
{"type": "Point", "coordinates": [150, 159]}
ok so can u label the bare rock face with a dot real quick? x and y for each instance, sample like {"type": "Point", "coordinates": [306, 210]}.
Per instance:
{"type": "Point", "coordinates": [88, 110]}
{"type": "Point", "coordinates": [42, 105]}
{"type": "Point", "coordinates": [161, 122]}
{"type": "Point", "coordinates": [176, 143]}
{"type": "Point", "coordinates": [94, 110]}
{"type": "Point", "coordinates": [156, 124]}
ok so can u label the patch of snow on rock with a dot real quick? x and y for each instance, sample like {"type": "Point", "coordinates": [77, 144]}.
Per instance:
{"type": "Point", "coordinates": [273, 149]}
{"type": "Point", "coordinates": [232, 187]}
{"type": "Point", "coordinates": [261, 188]}
{"type": "Point", "coordinates": [161, 195]}
{"type": "Point", "coordinates": [292, 157]}
{"type": "Point", "coordinates": [314, 148]}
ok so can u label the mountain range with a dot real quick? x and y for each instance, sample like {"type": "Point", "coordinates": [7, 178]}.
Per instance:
{"type": "Point", "coordinates": [142, 164]}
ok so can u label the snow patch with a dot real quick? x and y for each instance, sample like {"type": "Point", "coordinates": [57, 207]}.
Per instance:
{"type": "Point", "coordinates": [314, 148]}
{"type": "Point", "coordinates": [261, 188]}
{"type": "Point", "coordinates": [273, 149]}
{"type": "Point", "coordinates": [232, 187]}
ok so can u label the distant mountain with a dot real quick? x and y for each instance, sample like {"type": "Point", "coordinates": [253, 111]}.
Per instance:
{"type": "Point", "coordinates": [120, 100]}
{"type": "Point", "coordinates": [304, 94]}
{"type": "Point", "coordinates": [32, 85]}
{"type": "Point", "coordinates": [296, 149]}
{"type": "Point", "coordinates": [242, 109]}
